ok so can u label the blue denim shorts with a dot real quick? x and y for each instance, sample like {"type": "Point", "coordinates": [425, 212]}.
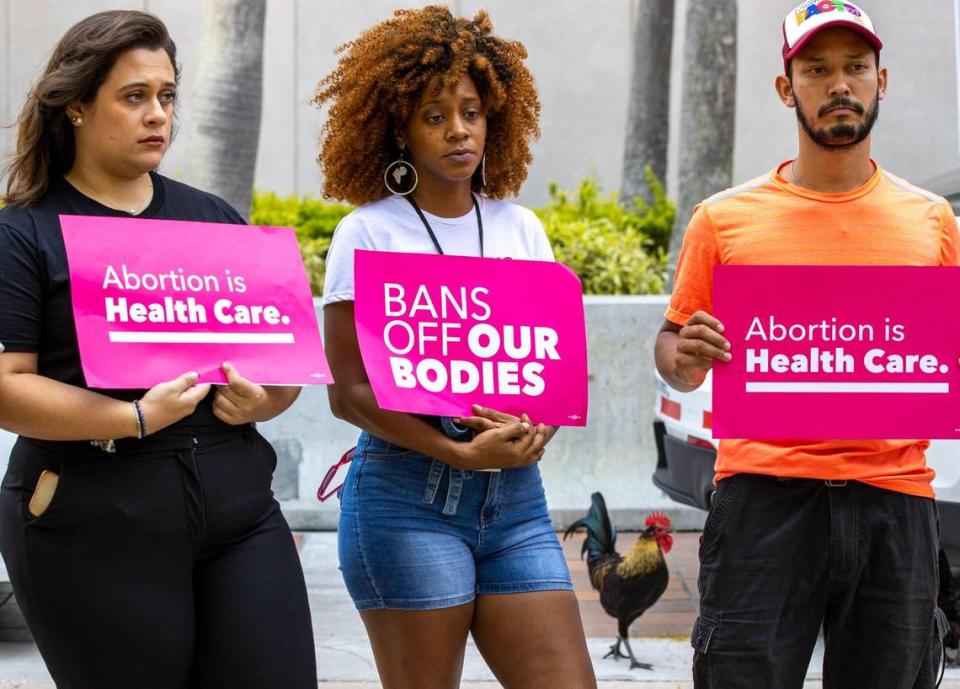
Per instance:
{"type": "Point", "coordinates": [416, 534]}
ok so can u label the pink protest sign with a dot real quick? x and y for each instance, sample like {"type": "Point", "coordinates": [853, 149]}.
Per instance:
{"type": "Point", "coordinates": [153, 299]}
{"type": "Point", "coordinates": [824, 352]}
{"type": "Point", "coordinates": [439, 333]}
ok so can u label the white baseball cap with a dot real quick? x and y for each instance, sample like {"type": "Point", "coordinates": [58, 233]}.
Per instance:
{"type": "Point", "coordinates": [811, 16]}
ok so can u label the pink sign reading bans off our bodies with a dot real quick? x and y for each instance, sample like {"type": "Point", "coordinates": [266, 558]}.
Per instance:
{"type": "Point", "coordinates": [153, 299]}
{"type": "Point", "coordinates": [825, 352]}
{"type": "Point", "coordinates": [439, 333]}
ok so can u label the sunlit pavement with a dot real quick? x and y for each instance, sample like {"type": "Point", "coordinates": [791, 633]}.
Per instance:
{"type": "Point", "coordinates": [344, 660]}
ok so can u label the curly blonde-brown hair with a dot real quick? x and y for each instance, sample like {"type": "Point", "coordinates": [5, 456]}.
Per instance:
{"type": "Point", "coordinates": [378, 82]}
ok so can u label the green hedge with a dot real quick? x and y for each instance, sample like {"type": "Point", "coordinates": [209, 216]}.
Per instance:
{"type": "Point", "coordinates": [614, 249]}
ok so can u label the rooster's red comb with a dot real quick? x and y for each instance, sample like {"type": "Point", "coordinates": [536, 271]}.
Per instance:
{"type": "Point", "coordinates": [658, 519]}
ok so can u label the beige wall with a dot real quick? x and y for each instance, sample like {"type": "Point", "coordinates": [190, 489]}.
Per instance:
{"type": "Point", "coordinates": [579, 54]}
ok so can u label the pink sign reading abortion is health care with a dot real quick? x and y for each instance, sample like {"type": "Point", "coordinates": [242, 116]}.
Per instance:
{"type": "Point", "coordinates": [823, 352]}
{"type": "Point", "coordinates": [439, 333]}
{"type": "Point", "coordinates": [153, 299]}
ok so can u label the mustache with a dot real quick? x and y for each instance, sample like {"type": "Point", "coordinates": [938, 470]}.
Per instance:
{"type": "Point", "coordinates": [841, 102]}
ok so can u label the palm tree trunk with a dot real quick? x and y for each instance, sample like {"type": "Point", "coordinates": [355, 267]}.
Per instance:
{"type": "Point", "coordinates": [224, 127]}
{"type": "Point", "coordinates": [708, 107]}
{"type": "Point", "coordinates": [648, 113]}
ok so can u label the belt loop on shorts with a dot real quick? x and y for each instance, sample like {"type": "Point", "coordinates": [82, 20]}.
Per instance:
{"type": "Point", "coordinates": [454, 490]}
{"type": "Point", "coordinates": [433, 482]}
{"type": "Point", "coordinates": [830, 483]}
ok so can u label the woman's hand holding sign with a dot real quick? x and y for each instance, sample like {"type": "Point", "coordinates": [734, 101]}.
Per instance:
{"type": "Point", "coordinates": [47, 409]}
{"type": "Point", "coordinates": [166, 403]}
{"type": "Point", "coordinates": [241, 401]}
{"type": "Point", "coordinates": [486, 419]}
{"type": "Point", "coordinates": [503, 446]}
{"type": "Point", "coordinates": [237, 402]}
{"type": "Point", "coordinates": [685, 355]}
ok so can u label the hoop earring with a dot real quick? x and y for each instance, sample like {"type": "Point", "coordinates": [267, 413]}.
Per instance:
{"type": "Point", "coordinates": [397, 170]}
{"type": "Point", "coordinates": [483, 170]}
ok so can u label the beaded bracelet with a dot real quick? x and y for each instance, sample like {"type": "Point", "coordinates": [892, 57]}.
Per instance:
{"type": "Point", "coordinates": [141, 423]}
{"type": "Point", "coordinates": [136, 417]}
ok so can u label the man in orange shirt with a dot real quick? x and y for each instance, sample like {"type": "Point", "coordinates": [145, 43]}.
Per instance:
{"type": "Point", "coordinates": [809, 532]}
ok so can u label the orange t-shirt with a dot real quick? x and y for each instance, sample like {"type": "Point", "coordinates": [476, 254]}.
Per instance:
{"type": "Point", "coordinates": [769, 221]}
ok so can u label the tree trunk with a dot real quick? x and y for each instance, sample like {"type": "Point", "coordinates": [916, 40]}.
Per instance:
{"type": "Point", "coordinates": [648, 113]}
{"type": "Point", "coordinates": [707, 108]}
{"type": "Point", "coordinates": [224, 126]}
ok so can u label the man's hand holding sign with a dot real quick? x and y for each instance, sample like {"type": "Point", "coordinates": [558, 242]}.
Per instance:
{"type": "Point", "coordinates": [690, 351]}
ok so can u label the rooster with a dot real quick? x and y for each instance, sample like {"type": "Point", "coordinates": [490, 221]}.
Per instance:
{"type": "Point", "coordinates": [628, 585]}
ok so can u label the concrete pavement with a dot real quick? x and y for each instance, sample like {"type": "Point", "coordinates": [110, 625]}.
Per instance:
{"type": "Point", "coordinates": [344, 659]}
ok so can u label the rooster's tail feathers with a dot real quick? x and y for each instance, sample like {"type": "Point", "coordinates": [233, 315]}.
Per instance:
{"type": "Point", "coordinates": [601, 537]}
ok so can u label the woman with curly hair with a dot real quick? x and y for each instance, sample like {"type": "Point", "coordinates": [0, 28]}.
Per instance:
{"type": "Point", "coordinates": [430, 122]}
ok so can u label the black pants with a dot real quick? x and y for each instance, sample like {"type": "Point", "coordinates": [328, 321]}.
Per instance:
{"type": "Point", "coordinates": [781, 557]}
{"type": "Point", "coordinates": [167, 565]}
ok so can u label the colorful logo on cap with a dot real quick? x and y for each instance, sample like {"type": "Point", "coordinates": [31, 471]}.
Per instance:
{"type": "Point", "coordinates": [812, 8]}
{"type": "Point", "coordinates": [809, 17]}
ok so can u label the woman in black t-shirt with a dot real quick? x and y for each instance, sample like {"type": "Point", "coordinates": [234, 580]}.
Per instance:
{"type": "Point", "coordinates": [156, 556]}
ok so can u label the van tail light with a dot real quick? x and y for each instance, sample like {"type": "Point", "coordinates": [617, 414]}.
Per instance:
{"type": "Point", "coordinates": [670, 408]}
{"type": "Point", "coordinates": [699, 442]}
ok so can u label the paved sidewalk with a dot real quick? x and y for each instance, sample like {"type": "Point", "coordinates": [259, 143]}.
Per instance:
{"type": "Point", "coordinates": [344, 660]}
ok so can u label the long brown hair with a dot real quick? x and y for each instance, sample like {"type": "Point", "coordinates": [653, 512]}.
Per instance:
{"type": "Point", "coordinates": [77, 69]}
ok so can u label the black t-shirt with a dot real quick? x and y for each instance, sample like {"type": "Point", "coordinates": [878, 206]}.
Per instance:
{"type": "Point", "coordinates": [36, 314]}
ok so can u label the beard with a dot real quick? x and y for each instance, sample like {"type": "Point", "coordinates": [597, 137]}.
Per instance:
{"type": "Point", "coordinates": [844, 135]}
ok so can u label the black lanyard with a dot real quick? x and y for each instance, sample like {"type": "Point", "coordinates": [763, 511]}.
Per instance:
{"type": "Point", "coordinates": [433, 237]}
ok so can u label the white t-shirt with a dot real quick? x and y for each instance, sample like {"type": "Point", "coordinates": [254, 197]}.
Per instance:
{"type": "Point", "coordinates": [391, 224]}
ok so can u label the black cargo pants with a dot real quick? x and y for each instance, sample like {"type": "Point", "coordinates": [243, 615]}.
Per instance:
{"type": "Point", "coordinates": [781, 557]}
